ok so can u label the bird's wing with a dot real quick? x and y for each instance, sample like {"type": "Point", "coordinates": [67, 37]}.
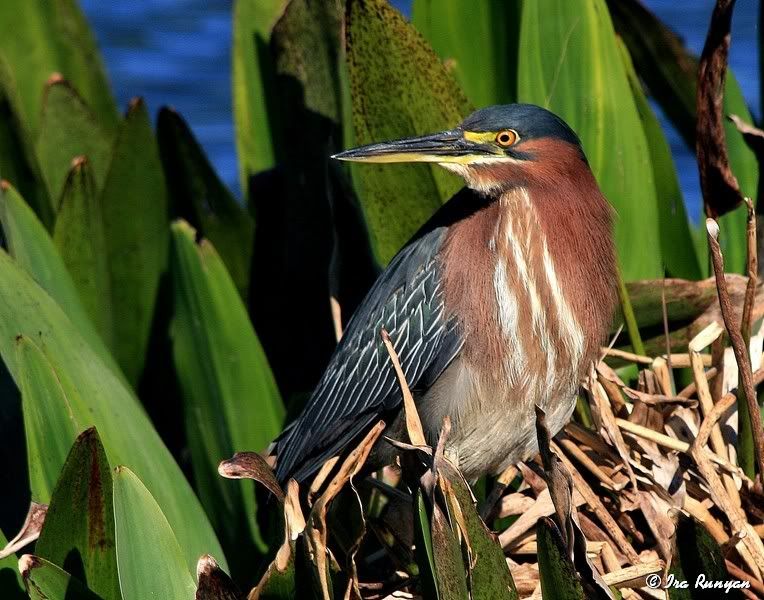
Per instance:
{"type": "Point", "coordinates": [359, 384]}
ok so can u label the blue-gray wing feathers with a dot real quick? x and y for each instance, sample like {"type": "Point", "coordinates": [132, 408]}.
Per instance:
{"type": "Point", "coordinates": [360, 385]}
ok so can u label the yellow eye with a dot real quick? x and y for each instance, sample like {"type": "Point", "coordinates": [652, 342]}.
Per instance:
{"type": "Point", "coordinates": [506, 138]}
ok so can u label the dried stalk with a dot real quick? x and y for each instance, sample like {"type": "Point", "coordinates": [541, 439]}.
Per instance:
{"type": "Point", "coordinates": [738, 344]}
{"type": "Point", "coordinates": [633, 576]}
{"type": "Point", "coordinates": [413, 423]}
{"type": "Point", "coordinates": [627, 356]}
{"type": "Point", "coordinates": [673, 444]}
{"type": "Point", "coordinates": [699, 343]}
{"type": "Point", "coordinates": [610, 425]}
{"type": "Point", "coordinates": [599, 510]}
{"type": "Point", "coordinates": [736, 516]}
{"type": "Point", "coordinates": [752, 267]}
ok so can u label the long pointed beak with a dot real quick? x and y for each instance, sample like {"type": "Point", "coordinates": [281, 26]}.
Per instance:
{"type": "Point", "coordinates": [446, 146]}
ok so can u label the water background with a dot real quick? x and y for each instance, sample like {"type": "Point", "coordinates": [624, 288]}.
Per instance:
{"type": "Point", "coordinates": [177, 53]}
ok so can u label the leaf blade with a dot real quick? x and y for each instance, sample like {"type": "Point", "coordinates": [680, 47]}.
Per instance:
{"type": "Point", "coordinates": [44, 581]}
{"type": "Point", "coordinates": [80, 517]}
{"type": "Point", "coordinates": [133, 207]}
{"type": "Point", "coordinates": [399, 88]}
{"type": "Point", "coordinates": [151, 563]}
{"type": "Point", "coordinates": [232, 402]}
{"type": "Point", "coordinates": [107, 402]}
{"type": "Point", "coordinates": [569, 64]}
{"type": "Point", "coordinates": [197, 195]}
{"type": "Point", "coordinates": [68, 129]}
{"type": "Point", "coordinates": [32, 247]}
{"type": "Point", "coordinates": [41, 37]}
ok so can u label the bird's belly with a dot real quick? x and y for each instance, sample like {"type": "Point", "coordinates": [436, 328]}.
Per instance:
{"type": "Point", "coordinates": [492, 422]}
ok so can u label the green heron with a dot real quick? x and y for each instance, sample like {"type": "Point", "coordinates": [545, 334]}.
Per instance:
{"type": "Point", "coordinates": [498, 303]}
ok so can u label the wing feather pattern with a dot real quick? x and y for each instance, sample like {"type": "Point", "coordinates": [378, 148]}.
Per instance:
{"type": "Point", "coordinates": [359, 385]}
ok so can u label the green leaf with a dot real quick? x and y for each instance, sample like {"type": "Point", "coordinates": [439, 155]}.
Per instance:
{"type": "Point", "coordinates": [697, 554]}
{"type": "Point", "coordinates": [399, 88]}
{"type": "Point", "coordinates": [80, 518]}
{"type": "Point", "coordinates": [450, 575]}
{"type": "Point", "coordinates": [33, 249]}
{"type": "Point", "coordinates": [670, 72]}
{"type": "Point", "coordinates": [68, 129]}
{"type": "Point", "coordinates": [151, 563]}
{"type": "Point", "coordinates": [11, 584]}
{"type": "Point", "coordinates": [198, 196]}
{"type": "Point", "coordinates": [115, 242]}
{"type": "Point", "coordinates": [46, 581]}
{"type": "Point", "coordinates": [18, 161]}
{"type": "Point", "coordinates": [231, 399]}
{"type": "Point", "coordinates": [569, 63]}
{"type": "Point", "coordinates": [98, 397]}
{"type": "Point", "coordinates": [40, 37]}
{"type": "Point", "coordinates": [80, 239]}
{"type": "Point", "coordinates": [466, 35]}
{"type": "Point", "coordinates": [677, 245]}
{"type": "Point", "coordinates": [251, 80]}
{"type": "Point", "coordinates": [50, 422]}
{"type": "Point", "coordinates": [133, 206]}
{"type": "Point", "coordinates": [489, 576]}
{"type": "Point", "coordinates": [424, 548]}
{"type": "Point", "coordinates": [559, 580]}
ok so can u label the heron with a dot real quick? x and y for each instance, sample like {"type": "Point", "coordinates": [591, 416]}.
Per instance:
{"type": "Point", "coordinates": [499, 303]}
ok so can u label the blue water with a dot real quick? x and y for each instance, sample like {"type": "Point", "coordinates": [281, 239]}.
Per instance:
{"type": "Point", "coordinates": [177, 52]}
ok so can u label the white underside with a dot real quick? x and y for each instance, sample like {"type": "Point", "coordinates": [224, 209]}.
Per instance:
{"type": "Point", "coordinates": [491, 428]}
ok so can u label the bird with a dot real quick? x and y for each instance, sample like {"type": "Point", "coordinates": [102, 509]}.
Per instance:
{"type": "Point", "coordinates": [500, 302]}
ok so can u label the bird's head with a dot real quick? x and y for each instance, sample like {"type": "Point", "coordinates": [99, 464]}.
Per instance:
{"type": "Point", "coordinates": [493, 148]}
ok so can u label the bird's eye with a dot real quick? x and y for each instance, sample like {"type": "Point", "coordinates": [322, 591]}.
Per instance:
{"type": "Point", "coordinates": [506, 138]}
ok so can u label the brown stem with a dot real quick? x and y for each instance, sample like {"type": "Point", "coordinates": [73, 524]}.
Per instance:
{"type": "Point", "coordinates": [738, 344]}
{"type": "Point", "coordinates": [752, 268]}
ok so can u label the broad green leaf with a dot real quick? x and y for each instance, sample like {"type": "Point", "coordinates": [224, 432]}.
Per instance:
{"type": "Point", "coordinates": [80, 518]}
{"type": "Point", "coordinates": [399, 88]}
{"type": "Point", "coordinates": [18, 160]}
{"type": "Point", "coordinates": [68, 129]}
{"type": "Point", "coordinates": [198, 195]}
{"type": "Point", "coordinates": [98, 398]}
{"type": "Point", "coordinates": [559, 580]}
{"type": "Point", "coordinates": [477, 41]}
{"type": "Point", "coordinates": [423, 547]}
{"type": "Point", "coordinates": [251, 80]}
{"type": "Point", "coordinates": [151, 562]}
{"type": "Point", "coordinates": [114, 241]}
{"type": "Point", "coordinates": [697, 554]}
{"type": "Point", "coordinates": [450, 576]}
{"type": "Point", "coordinates": [11, 584]}
{"type": "Point", "coordinates": [231, 399]}
{"type": "Point", "coordinates": [42, 37]}
{"type": "Point", "coordinates": [32, 248]}
{"type": "Point", "coordinates": [489, 576]}
{"type": "Point", "coordinates": [133, 206]}
{"type": "Point", "coordinates": [80, 238]}
{"type": "Point", "coordinates": [569, 63]}
{"type": "Point", "coordinates": [50, 422]}
{"type": "Point", "coordinates": [46, 581]}
{"type": "Point", "coordinates": [670, 72]}
{"type": "Point", "coordinates": [677, 245]}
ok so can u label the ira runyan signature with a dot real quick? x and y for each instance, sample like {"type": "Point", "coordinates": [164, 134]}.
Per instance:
{"type": "Point", "coordinates": [655, 581]}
